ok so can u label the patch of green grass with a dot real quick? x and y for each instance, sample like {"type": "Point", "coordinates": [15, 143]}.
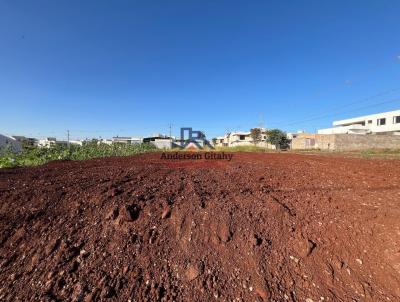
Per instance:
{"type": "Point", "coordinates": [38, 156]}
{"type": "Point", "coordinates": [368, 154]}
{"type": "Point", "coordinates": [310, 150]}
{"type": "Point", "coordinates": [381, 153]}
{"type": "Point", "coordinates": [243, 149]}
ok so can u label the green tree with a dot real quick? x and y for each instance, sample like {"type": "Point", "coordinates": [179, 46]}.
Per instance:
{"type": "Point", "coordinates": [277, 138]}
{"type": "Point", "coordinates": [255, 134]}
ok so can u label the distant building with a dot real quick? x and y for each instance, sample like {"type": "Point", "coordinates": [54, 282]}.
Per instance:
{"type": "Point", "coordinates": [292, 135]}
{"type": "Point", "coordinates": [380, 123]}
{"type": "Point", "coordinates": [106, 141]}
{"type": "Point", "coordinates": [76, 142]}
{"type": "Point", "coordinates": [10, 142]}
{"type": "Point", "coordinates": [50, 141]}
{"type": "Point", "coordinates": [26, 141]}
{"type": "Point", "coordinates": [160, 141]}
{"type": "Point", "coordinates": [242, 138]}
{"type": "Point", "coordinates": [220, 141]}
{"type": "Point", "coordinates": [126, 140]}
{"type": "Point", "coordinates": [47, 142]}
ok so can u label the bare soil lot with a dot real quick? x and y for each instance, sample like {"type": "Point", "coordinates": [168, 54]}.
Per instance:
{"type": "Point", "coordinates": [261, 227]}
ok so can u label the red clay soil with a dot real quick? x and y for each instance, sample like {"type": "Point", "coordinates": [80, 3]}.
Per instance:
{"type": "Point", "coordinates": [262, 227]}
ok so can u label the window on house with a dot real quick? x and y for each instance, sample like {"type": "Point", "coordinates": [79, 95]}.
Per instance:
{"type": "Point", "coordinates": [396, 119]}
{"type": "Point", "coordinates": [242, 137]}
{"type": "Point", "coordinates": [369, 121]}
{"type": "Point", "coordinates": [381, 121]}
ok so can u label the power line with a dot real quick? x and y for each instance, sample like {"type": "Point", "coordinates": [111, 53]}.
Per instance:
{"type": "Point", "coordinates": [369, 72]}
{"type": "Point", "coordinates": [170, 130]}
{"type": "Point", "coordinates": [339, 113]}
{"type": "Point", "coordinates": [261, 124]}
{"type": "Point", "coordinates": [363, 100]}
{"type": "Point", "coordinates": [356, 79]}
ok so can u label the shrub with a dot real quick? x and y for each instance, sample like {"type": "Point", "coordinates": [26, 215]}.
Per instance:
{"type": "Point", "coordinates": [278, 138]}
{"type": "Point", "coordinates": [38, 156]}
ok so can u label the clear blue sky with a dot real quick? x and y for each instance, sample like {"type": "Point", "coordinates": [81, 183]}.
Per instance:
{"type": "Point", "coordinates": [102, 68]}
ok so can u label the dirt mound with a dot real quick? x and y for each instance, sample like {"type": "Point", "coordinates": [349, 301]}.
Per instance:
{"type": "Point", "coordinates": [261, 227]}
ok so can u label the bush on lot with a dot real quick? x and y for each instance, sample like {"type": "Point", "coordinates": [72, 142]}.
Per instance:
{"type": "Point", "coordinates": [278, 138]}
{"type": "Point", "coordinates": [38, 156]}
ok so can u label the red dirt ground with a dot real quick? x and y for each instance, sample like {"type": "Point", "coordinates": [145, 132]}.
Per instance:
{"type": "Point", "coordinates": [262, 227]}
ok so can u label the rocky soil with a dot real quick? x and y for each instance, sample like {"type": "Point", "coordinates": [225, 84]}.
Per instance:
{"type": "Point", "coordinates": [261, 227]}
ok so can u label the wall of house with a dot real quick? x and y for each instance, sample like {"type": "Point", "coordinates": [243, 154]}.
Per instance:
{"type": "Point", "coordinates": [162, 143]}
{"type": "Point", "coordinates": [240, 143]}
{"type": "Point", "coordinates": [345, 142]}
{"type": "Point", "coordinates": [234, 140]}
{"type": "Point", "coordinates": [313, 141]}
{"type": "Point", "coordinates": [262, 144]}
{"type": "Point", "coordinates": [265, 144]}
{"type": "Point", "coordinates": [353, 129]}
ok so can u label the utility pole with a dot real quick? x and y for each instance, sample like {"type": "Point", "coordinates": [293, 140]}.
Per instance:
{"type": "Point", "coordinates": [170, 134]}
{"type": "Point", "coordinates": [261, 124]}
{"type": "Point", "coordinates": [68, 137]}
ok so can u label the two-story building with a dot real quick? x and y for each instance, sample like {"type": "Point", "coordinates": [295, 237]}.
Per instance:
{"type": "Point", "coordinates": [242, 138]}
{"type": "Point", "coordinates": [379, 123]}
{"type": "Point", "coordinates": [127, 140]}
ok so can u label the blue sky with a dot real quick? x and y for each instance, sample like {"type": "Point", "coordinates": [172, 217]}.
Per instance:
{"type": "Point", "coordinates": [104, 68]}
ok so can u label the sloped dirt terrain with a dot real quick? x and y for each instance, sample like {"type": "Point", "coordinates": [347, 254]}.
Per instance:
{"type": "Point", "coordinates": [262, 227]}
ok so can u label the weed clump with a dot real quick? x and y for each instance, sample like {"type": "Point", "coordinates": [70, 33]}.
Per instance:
{"type": "Point", "coordinates": [34, 156]}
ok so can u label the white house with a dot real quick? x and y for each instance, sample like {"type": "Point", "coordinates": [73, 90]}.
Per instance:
{"type": "Point", "coordinates": [380, 123]}
{"type": "Point", "coordinates": [126, 140]}
{"type": "Point", "coordinates": [50, 141]}
{"type": "Point", "coordinates": [242, 138]}
{"type": "Point", "coordinates": [10, 142]}
{"type": "Point", "coordinates": [220, 141]}
{"type": "Point", "coordinates": [239, 138]}
{"type": "Point", "coordinates": [76, 142]}
{"type": "Point", "coordinates": [47, 142]}
{"type": "Point", "coordinates": [106, 141]}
